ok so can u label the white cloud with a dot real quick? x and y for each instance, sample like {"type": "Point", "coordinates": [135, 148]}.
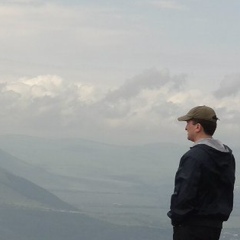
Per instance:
{"type": "Point", "coordinates": [35, 87]}
{"type": "Point", "coordinates": [150, 79]}
{"type": "Point", "coordinates": [146, 105]}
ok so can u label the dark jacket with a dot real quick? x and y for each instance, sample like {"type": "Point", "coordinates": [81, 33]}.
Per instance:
{"type": "Point", "coordinates": [204, 185]}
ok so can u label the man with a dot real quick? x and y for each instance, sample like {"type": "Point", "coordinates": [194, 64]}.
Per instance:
{"type": "Point", "coordinates": [204, 182]}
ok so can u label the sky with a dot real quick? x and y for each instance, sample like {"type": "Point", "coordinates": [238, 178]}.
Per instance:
{"type": "Point", "coordinates": [118, 71]}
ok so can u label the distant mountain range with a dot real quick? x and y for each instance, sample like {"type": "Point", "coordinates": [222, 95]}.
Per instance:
{"type": "Point", "coordinates": [79, 189]}
{"type": "Point", "coordinates": [103, 180]}
{"type": "Point", "coordinates": [30, 212]}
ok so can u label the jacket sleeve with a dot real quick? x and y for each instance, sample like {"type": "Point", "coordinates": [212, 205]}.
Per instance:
{"type": "Point", "coordinates": [186, 187]}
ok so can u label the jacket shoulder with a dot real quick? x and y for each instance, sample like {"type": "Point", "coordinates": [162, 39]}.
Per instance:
{"type": "Point", "coordinates": [196, 151]}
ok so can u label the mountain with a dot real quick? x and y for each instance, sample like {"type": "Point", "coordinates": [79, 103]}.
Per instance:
{"type": "Point", "coordinates": [103, 180]}
{"type": "Point", "coordinates": [28, 212]}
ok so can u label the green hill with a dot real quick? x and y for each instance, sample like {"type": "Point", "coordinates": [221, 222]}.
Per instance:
{"type": "Point", "coordinates": [29, 212]}
{"type": "Point", "coordinates": [19, 192]}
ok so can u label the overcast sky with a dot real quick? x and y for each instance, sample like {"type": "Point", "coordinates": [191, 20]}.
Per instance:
{"type": "Point", "coordinates": [118, 71]}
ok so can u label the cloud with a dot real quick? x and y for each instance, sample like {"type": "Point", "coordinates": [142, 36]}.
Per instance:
{"type": "Point", "coordinates": [150, 79]}
{"type": "Point", "coordinates": [49, 101]}
{"type": "Point", "coordinates": [138, 95]}
{"type": "Point", "coordinates": [145, 105]}
{"type": "Point", "coordinates": [44, 95]}
{"type": "Point", "coordinates": [76, 57]}
{"type": "Point", "coordinates": [229, 87]}
{"type": "Point", "coordinates": [35, 87]}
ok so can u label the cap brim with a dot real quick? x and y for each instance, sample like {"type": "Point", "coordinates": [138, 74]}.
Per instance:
{"type": "Point", "coordinates": [184, 118]}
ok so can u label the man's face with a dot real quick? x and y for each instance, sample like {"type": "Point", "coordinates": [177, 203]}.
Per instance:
{"type": "Point", "coordinates": [191, 130]}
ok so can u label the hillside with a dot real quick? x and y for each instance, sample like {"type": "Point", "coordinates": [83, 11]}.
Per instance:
{"type": "Point", "coordinates": [23, 224]}
{"type": "Point", "coordinates": [121, 184]}
{"type": "Point", "coordinates": [29, 212]}
{"type": "Point", "coordinates": [29, 170]}
{"type": "Point", "coordinates": [19, 192]}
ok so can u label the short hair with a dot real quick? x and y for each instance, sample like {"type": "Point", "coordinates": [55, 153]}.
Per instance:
{"type": "Point", "coordinates": [209, 127]}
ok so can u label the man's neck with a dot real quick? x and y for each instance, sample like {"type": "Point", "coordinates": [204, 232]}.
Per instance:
{"type": "Point", "coordinates": [202, 137]}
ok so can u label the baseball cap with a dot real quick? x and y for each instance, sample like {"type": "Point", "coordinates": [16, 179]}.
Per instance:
{"type": "Point", "coordinates": [200, 112]}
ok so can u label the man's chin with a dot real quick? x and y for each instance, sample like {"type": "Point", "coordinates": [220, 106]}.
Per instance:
{"type": "Point", "coordinates": [190, 139]}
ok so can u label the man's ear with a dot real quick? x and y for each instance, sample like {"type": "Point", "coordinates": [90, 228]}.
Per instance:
{"type": "Point", "coordinates": [198, 127]}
